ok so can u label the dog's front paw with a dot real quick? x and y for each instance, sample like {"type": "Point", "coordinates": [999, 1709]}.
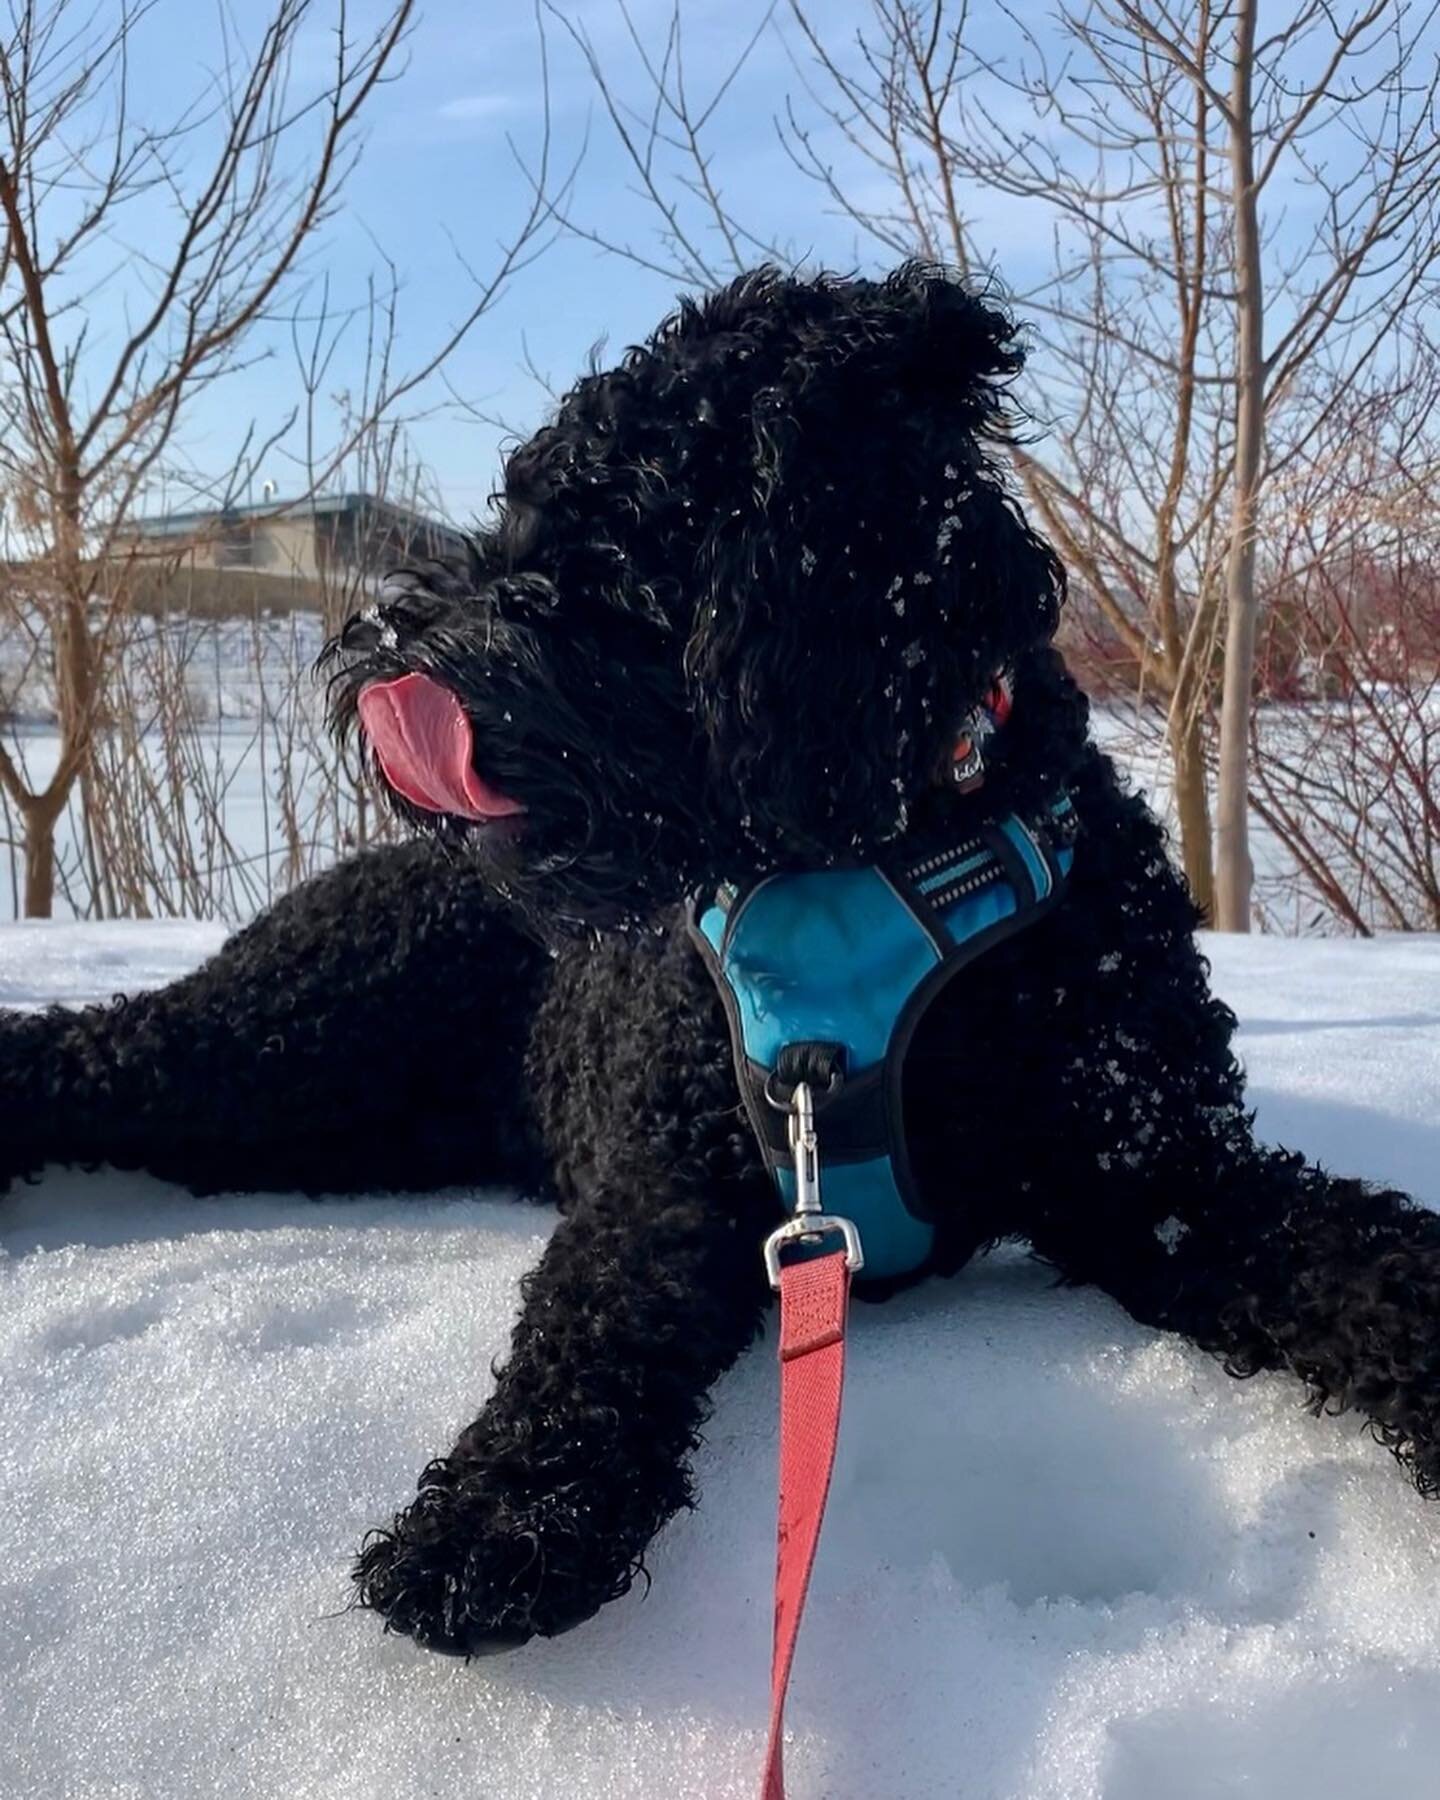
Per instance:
{"type": "Point", "coordinates": [472, 1567]}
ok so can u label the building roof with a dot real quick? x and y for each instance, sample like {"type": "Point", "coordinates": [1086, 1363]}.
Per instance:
{"type": "Point", "coordinates": [190, 524]}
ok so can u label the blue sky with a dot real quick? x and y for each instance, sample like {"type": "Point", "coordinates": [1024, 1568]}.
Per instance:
{"type": "Point", "coordinates": [438, 173]}
{"type": "Point", "coordinates": [437, 167]}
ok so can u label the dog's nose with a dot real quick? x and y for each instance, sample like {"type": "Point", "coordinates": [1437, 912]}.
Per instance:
{"type": "Point", "coordinates": [361, 631]}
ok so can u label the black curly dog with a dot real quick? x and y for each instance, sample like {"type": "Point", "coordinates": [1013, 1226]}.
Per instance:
{"type": "Point", "coordinates": [736, 598]}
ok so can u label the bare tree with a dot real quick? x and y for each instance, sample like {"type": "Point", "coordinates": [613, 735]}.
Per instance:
{"type": "Point", "coordinates": [691, 234]}
{"type": "Point", "coordinates": [216, 781]}
{"type": "Point", "coordinates": [1346, 774]}
{"type": "Point", "coordinates": [1196, 334]}
{"type": "Point", "coordinates": [141, 262]}
{"type": "Point", "coordinates": [1234, 867]}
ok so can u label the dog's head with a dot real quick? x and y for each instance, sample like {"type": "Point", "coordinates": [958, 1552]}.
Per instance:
{"type": "Point", "coordinates": [739, 597]}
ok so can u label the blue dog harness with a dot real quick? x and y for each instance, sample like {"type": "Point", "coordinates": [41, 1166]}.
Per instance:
{"type": "Point", "coordinates": [825, 975]}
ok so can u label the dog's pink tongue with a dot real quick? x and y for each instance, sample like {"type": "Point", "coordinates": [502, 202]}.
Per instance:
{"type": "Point", "coordinates": [422, 738]}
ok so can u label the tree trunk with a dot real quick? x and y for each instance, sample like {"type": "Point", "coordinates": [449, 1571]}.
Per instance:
{"type": "Point", "coordinates": [39, 862]}
{"type": "Point", "coordinates": [1192, 809]}
{"type": "Point", "coordinates": [74, 705]}
{"type": "Point", "coordinates": [1235, 873]}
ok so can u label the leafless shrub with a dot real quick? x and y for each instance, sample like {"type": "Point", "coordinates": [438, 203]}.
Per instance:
{"type": "Point", "coordinates": [251, 167]}
{"type": "Point", "coordinates": [1196, 338]}
{"type": "Point", "coordinates": [1346, 771]}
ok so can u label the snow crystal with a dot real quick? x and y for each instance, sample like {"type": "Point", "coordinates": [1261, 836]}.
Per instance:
{"type": "Point", "coordinates": [1170, 1232]}
{"type": "Point", "coordinates": [1066, 1556]}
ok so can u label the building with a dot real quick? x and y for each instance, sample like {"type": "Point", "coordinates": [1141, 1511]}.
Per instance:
{"type": "Point", "coordinates": [334, 535]}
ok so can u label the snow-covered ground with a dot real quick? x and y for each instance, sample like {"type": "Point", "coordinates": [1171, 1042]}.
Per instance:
{"type": "Point", "coordinates": [258, 761]}
{"type": "Point", "coordinates": [1067, 1559]}
{"type": "Point", "coordinates": [228, 668]}
{"type": "Point", "coordinates": [252, 763]}
{"type": "Point", "coordinates": [255, 758]}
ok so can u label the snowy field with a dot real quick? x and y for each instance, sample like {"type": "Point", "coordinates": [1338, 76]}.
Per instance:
{"type": "Point", "coordinates": [260, 800]}
{"type": "Point", "coordinates": [229, 668]}
{"type": "Point", "coordinates": [255, 740]}
{"type": "Point", "coordinates": [249, 734]}
{"type": "Point", "coordinates": [1067, 1559]}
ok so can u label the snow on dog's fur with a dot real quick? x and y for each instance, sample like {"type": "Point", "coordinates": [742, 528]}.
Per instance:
{"type": "Point", "coordinates": [739, 598]}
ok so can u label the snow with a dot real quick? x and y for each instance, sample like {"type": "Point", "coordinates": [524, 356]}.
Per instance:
{"type": "Point", "coordinates": [236, 668]}
{"type": "Point", "coordinates": [1067, 1558]}
{"type": "Point", "coordinates": [253, 721]}
{"type": "Point", "coordinates": [244, 716]}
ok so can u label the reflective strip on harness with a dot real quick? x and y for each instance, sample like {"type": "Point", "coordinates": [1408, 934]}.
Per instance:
{"type": "Point", "coordinates": [845, 962]}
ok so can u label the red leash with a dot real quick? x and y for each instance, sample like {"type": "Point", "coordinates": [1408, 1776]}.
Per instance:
{"type": "Point", "coordinates": [814, 1295]}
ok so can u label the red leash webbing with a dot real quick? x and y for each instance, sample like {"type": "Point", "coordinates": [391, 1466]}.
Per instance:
{"type": "Point", "coordinates": [813, 1300]}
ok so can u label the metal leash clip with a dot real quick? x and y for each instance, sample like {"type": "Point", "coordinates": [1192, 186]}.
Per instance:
{"type": "Point", "coordinates": [809, 1222]}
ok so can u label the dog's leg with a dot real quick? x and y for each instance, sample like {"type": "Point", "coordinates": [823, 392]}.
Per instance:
{"type": "Point", "coordinates": [543, 1509]}
{"type": "Point", "coordinates": [367, 1032]}
{"type": "Point", "coordinates": [1276, 1264]}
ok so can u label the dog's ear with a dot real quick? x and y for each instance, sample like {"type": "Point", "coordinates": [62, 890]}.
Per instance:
{"type": "Point", "coordinates": [874, 574]}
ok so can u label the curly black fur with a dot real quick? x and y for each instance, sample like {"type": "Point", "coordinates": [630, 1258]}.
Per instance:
{"type": "Point", "coordinates": [738, 598]}
{"type": "Point", "coordinates": [784, 520]}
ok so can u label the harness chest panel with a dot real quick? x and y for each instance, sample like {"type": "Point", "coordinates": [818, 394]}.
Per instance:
{"type": "Point", "coordinates": [825, 975]}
